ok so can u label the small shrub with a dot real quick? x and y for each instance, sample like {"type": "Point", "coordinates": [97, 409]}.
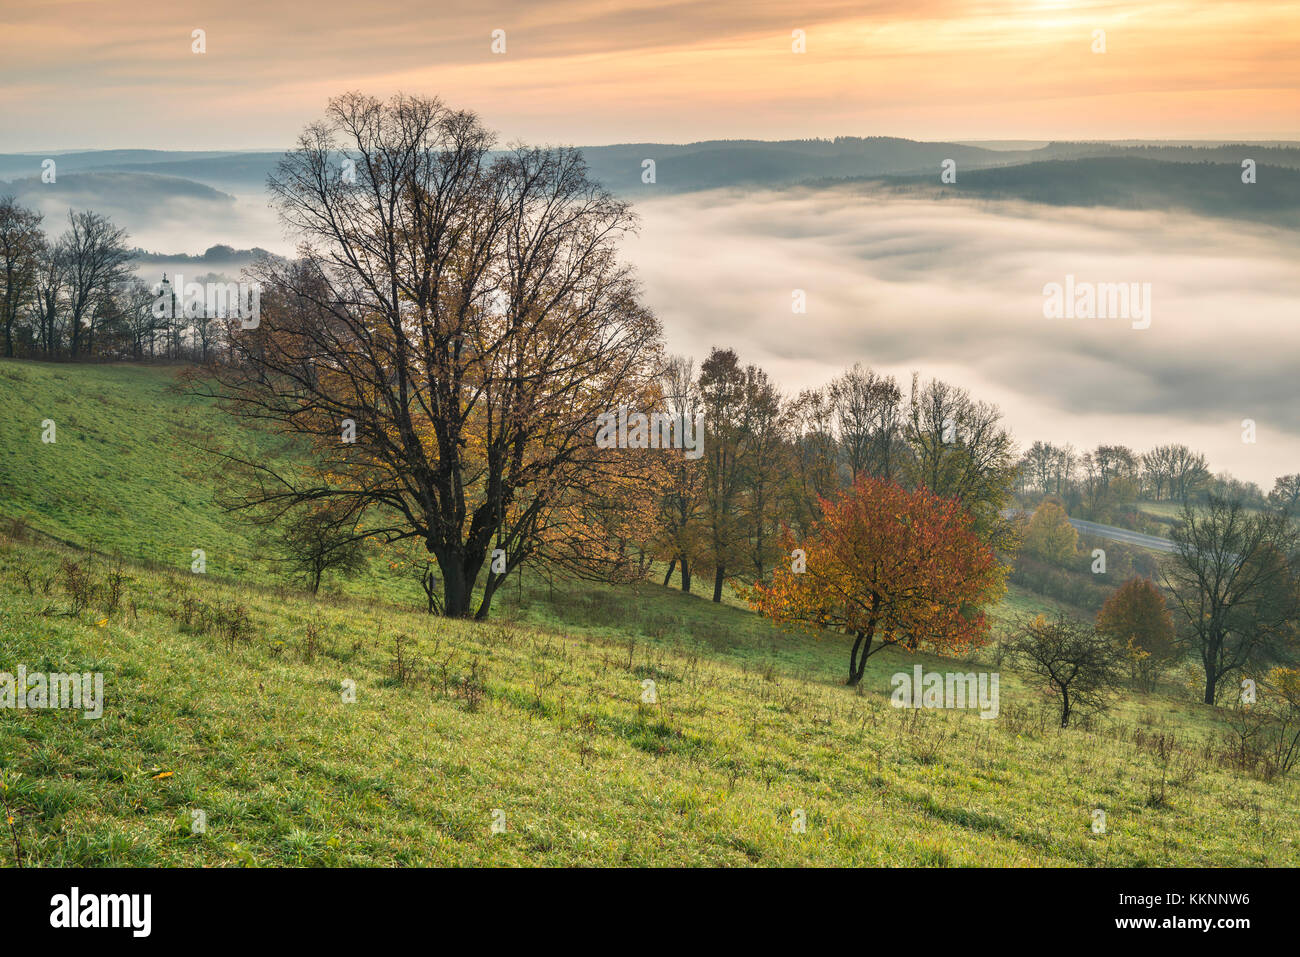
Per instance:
{"type": "Point", "coordinates": [113, 588]}
{"type": "Point", "coordinates": [78, 585]}
{"type": "Point", "coordinates": [473, 687]}
{"type": "Point", "coordinates": [403, 665]}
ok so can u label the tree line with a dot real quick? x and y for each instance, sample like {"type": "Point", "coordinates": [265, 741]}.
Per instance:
{"type": "Point", "coordinates": [75, 296]}
{"type": "Point", "coordinates": [770, 460]}
{"type": "Point", "coordinates": [1101, 484]}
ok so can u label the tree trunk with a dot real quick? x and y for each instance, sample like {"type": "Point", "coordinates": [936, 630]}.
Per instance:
{"type": "Point", "coordinates": [429, 582]}
{"type": "Point", "coordinates": [489, 589]}
{"type": "Point", "coordinates": [686, 576]}
{"type": "Point", "coordinates": [455, 589]}
{"type": "Point", "coordinates": [718, 576]}
{"type": "Point", "coordinates": [858, 666]}
{"type": "Point", "coordinates": [669, 576]}
{"type": "Point", "coordinates": [1065, 707]}
{"type": "Point", "coordinates": [853, 661]}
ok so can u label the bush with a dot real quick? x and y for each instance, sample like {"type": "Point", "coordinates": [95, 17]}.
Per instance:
{"type": "Point", "coordinates": [1138, 620]}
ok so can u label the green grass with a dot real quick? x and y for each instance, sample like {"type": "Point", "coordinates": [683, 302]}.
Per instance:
{"type": "Point", "coordinates": [751, 723]}
{"type": "Point", "coordinates": [256, 735]}
{"type": "Point", "coordinates": [126, 472]}
{"type": "Point", "coordinates": [1167, 510]}
{"type": "Point", "coordinates": [131, 474]}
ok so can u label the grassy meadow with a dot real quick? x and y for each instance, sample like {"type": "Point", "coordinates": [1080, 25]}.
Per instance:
{"type": "Point", "coordinates": [352, 729]}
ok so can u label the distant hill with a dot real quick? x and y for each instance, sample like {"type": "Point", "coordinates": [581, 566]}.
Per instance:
{"type": "Point", "coordinates": [239, 171]}
{"type": "Point", "coordinates": [752, 163]}
{"type": "Point", "coordinates": [140, 194]}
{"type": "Point", "coordinates": [1204, 178]}
{"type": "Point", "coordinates": [704, 165]}
{"type": "Point", "coordinates": [22, 165]}
{"type": "Point", "coordinates": [220, 255]}
{"type": "Point", "coordinates": [1127, 182]}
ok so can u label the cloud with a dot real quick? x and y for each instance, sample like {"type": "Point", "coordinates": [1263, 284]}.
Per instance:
{"type": "Point", "coordinates": [591, 71]}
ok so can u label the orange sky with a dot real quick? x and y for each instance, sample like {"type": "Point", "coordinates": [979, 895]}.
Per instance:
{"type": "Point", "coordinates": [110, 73]}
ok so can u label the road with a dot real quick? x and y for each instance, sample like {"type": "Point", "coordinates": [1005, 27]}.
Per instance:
{"type": "Point", "coordinates": [1123, 535]}
{"type": "Point", "coordinates": [1114, 534]}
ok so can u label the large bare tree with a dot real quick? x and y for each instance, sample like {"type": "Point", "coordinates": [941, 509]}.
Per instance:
{"type": "Point", "coordinates": [467, 312]}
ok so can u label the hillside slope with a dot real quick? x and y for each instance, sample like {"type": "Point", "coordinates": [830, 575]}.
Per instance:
{"type": "Point", "coordinates": [224, 695]}
{"type": "Point", "coordinates": [126, 472]}
{"type": "Point", "coordinates": [231, 702]}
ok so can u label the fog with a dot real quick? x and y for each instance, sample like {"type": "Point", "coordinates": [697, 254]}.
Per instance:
{"type": "Point", "coordinates": [243, 224]}
{"type": "Point", "coordinates": [955, 289]}
{"type": "Point", "coordinates": [948, 288]}
{"type": "Point", "coordinates": [156, 217]}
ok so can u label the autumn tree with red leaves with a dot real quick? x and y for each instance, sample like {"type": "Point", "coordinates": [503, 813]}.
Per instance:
{"type": "Point", "coordinates": [889, 567]}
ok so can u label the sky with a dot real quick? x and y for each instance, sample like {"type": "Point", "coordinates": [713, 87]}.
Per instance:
{"type": "Point", "coordinates": [115, 74]}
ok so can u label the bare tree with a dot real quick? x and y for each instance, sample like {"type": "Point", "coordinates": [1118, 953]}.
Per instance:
{"type": "Point", "coordinates": [1286, 494]}
{"type": "Point", "coordinates": [765, 453]}
{"type": "Point", "coordinates": [97, 259]}
{"type": "Point", "coordinates": [1232, 579]}
{"type": "Point", "coordinates": [319, 538]}
{"type": "Point", "coordinates": [208, 321]}
{"type": "Point", "coordinates": [1187, 471]}
{"type": "Point", "coordinates": [868, 419]}
{"type": "Point", "coordinates": [810, 415]}
{"type": "Point", "coordinates": [21, 240]}
{"type": "Point", "coordinates": [723, 397]}
{"type": "Point", "coordinates": [679, 534]}
{"type": "Point", "coordinates": [1038, 463]}
{"type": "Point", "coordinates": [136, 302]}
{"type": "Point", "coordinates": [1080, 665]}
{"type": "Point", "coordinates": [465, 311]}
{"type": "Point", "coordinates": [51, 288]}
{"type": "Point", "coordinates": [1158, 468]}
{"type": "Point", "coordinates": [959, 449]}
{"type": "Point", "coordinates": [1064, 464]}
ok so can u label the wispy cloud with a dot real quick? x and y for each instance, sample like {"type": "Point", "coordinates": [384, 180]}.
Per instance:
{"type": "Point", "coordinates": [106, 73]}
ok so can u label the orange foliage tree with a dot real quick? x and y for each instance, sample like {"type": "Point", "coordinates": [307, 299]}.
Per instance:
{"type": "Point", "coordinates": [889, 567]}
{"type": "Point", "coordinates": [1137, 617]}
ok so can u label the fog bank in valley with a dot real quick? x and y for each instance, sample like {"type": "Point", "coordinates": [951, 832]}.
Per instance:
{"type": "Point", "coordinates": [955, 289]}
